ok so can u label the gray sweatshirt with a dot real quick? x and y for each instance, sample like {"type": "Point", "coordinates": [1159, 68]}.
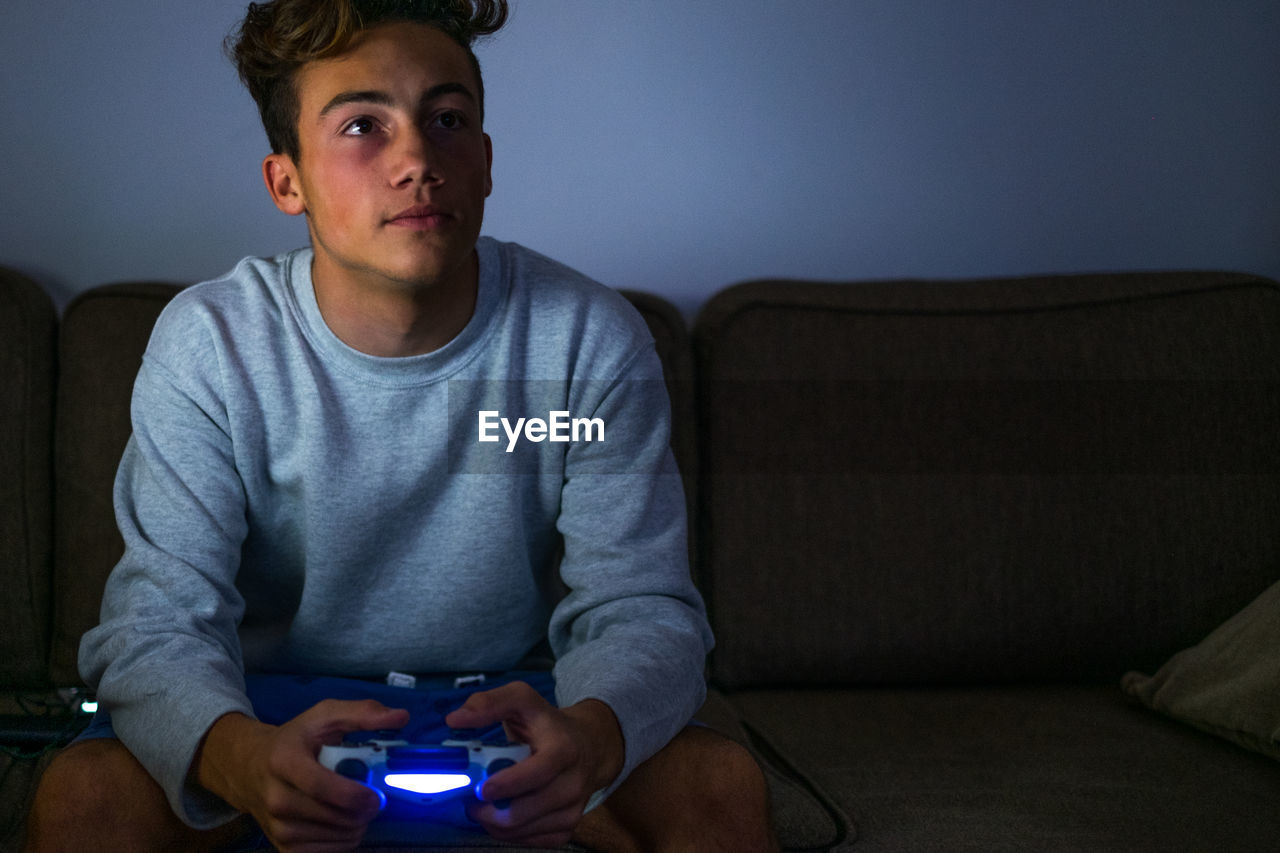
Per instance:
{"type": "Point", "coordinates": [290, 504]}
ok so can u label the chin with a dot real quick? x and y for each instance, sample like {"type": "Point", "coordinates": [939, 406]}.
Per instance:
{"type": "Point", "coordinates": [436, 269]}
{"type": "Point", "coordinates": [420, 277]}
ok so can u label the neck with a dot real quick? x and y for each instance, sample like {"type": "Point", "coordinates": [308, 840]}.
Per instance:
{"type": "Point", "coordinates": [395, 320]}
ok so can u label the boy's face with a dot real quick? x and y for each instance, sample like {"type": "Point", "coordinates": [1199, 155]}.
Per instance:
{"type": "Point", "coordinates": [393, 166]}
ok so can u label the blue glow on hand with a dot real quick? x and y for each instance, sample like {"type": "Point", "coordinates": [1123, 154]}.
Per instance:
{"type": "Point", "coordinates": [428, 783]}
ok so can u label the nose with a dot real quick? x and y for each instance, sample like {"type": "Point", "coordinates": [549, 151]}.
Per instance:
{"type": "Point", "coordinates": [413, 159]}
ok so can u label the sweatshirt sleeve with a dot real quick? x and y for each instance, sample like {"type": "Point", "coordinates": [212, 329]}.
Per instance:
{"type": "Point", "coordinates": [632, 631]}
{"type": "Point", "coordinates": [165, 659]}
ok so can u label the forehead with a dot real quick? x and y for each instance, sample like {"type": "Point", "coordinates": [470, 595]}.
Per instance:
{"type": "Point", "coordinates": [401, 57]}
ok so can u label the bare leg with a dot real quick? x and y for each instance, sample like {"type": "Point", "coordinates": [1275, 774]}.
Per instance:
{"type": "Point", "coordinates": [702, 792]}
{"type": "Point", "coordinates": [96, 796]}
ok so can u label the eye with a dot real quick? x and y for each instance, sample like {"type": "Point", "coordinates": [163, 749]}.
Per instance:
{"type": "Point", "coordinates": [359, 127]}
{"type": "Point", "coordinates": [450, 120]}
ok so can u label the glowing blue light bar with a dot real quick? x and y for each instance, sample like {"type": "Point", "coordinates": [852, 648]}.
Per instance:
{"type": "Point", "coordinates": [428, 783]}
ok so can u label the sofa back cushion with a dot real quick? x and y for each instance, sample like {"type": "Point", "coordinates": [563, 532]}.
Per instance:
{"type": "Point", "coordinates": [104, 333]}
{"type": "Point", "coordinates": [27, 339]}
{"type": "Point", "coordinates": [922, 482]}
{"type": "Point", "coordinates": [672, 341]}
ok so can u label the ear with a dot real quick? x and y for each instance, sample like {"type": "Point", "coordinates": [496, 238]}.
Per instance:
{"type": "Point", "coordinates": [488, 168]}
{"type": "Point", "coordinates": [281, 177]}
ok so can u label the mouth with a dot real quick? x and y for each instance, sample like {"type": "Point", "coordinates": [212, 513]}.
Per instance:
{"type": "Point", "coordinates": [421, 217]}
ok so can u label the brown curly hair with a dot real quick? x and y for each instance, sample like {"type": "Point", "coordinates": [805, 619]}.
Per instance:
{"type": "Point", "coordinates": [277, 38]}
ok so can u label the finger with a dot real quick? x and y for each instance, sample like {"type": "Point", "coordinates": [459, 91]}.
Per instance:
{"type": "Point", "coordinates": [303, 791]}
{"type": "Point", "coordinates": [525, 777]}
{"type": "Point", "coordinates": [561, 794]}
{"type": "Point", "coordinates": [502, 704]}
{"type": "Point", "coordinates": [306, 789]}
{"type": "Point", "coordinates": [343, 801]}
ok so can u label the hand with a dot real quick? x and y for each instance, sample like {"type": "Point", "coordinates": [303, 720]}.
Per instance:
{"type": "Point", "coordinates": [574, 752]}
{"type": "Point", "coordinates": [272, 773]}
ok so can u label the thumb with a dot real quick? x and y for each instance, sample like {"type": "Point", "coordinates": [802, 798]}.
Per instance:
{"type": "Point", "coordinates": [479, 711]}
{"type": "Point", "coordinates": [331, 719]}
{"type": "Point", "coordinates": [380, 716]}
{"type": "Point", "coordinates": [504, 704]}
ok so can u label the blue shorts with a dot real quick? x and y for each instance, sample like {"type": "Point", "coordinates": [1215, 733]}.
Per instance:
{"type": "Point", "coordinates": [279, 698]}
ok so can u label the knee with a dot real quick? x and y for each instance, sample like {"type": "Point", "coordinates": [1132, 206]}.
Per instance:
{"type": "Point", "coordinates": [727, 803]}
{"type": "Point", "coordinates": [733, 791]}
{"type": "Point", "coordinates": [702, 792]}
{"type": "Point", "coordinates": [70, 789]}
{"type": "Point", "coordinates": [87, 794]}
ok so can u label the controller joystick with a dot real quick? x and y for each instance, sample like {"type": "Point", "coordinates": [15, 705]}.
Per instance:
{"type": "Point", "coordinates": [353, 768]}
{"type": "Point", "coordinates": [356, 770]}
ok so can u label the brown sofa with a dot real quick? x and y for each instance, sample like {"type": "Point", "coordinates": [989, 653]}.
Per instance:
{"type": "Point", "coordinates": [936, 524]}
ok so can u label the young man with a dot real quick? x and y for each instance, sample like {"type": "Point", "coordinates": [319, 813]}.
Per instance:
{"type": "Point", "coordinates": [309, 490]}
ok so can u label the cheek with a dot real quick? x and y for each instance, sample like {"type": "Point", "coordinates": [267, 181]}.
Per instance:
{"type": "Point", "coordinates": [473, 166]}
{"type": "Point", "coordinates": [463, 153]}
{"type": "Point", "coordinates": [340, 180]}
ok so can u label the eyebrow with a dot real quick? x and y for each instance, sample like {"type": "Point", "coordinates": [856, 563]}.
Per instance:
{"type": "Point", "coordinates": [376, 96]}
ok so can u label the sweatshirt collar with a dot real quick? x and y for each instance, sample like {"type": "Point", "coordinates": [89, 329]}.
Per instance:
{"type": "Point", "coordinates": [408, 370]}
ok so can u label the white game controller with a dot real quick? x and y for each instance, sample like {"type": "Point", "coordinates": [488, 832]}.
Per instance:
{"type": "Point", "coordinates": [421, 774]}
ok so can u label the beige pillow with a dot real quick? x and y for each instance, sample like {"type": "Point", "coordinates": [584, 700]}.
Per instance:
{"type": "Point", "coordinates": [1229, 684]}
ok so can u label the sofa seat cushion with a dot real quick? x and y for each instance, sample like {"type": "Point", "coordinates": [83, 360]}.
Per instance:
{"type": "Point", "coordinates": [1018, 768]}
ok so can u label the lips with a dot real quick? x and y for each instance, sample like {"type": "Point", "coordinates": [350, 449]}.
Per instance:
{"type": "Point", "coordinates": [420, 217]}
